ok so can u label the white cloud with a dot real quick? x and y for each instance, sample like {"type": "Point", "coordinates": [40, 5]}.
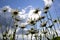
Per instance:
{"type": "Point", "coordinates": [22, 14]}
{"type": "Point", "coordinates": [28, 7]}
{"type": "Point", "coordinates": [25, 9]}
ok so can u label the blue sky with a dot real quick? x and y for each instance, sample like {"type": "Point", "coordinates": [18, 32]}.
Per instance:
{"type": "Point", "coordinates": [20, 4]}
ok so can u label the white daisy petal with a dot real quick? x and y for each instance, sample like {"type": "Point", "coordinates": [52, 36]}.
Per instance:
{"type": "Point", "coordinates": [48, 2]}
{"type": "Point", "coordinates": [34, 16]}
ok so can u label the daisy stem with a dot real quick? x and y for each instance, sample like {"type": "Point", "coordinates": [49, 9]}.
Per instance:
{"type": "Point", "coordinates": [27, 37]}
{"type": "Point", "coordinates": [22, 35]}
{"type": "Point", "coordinates": [53, 24]}
{"type": "Point", "coordinates": [48, 21]}
{"type": "Point", "coordinates": [14, 33]}
{"type": "Point", "coordinates": [31, 36]}
{"type": "Point", "coordinates": [58, 19]}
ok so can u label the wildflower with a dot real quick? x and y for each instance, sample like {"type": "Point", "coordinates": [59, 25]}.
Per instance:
{"type": "Point", "coordinates": [46, 9]}
{"type": "Point", "coordinates": [43, 24]}
{"type": "Point", "coordinates": [23, 25]}
{"type": "Point", "coordinates": [15, 24]}
{"type": "Point", "coordinates": [55, 21]}
{"type": "Point", "coordinates": [27, 32]}
{"type": "Point", "coordinates": [17, 19]}
{"type": "Point", "coordinates": [48, 4]}
{"type": "Point", "coordinates": [34, 14]}
{"type": "Point", "coordinates": [36, 11]}
{"type": "Point", "coordinates": [50, 26]}
{"type": "Point", "coordinates": [33, 31]}
{"type": "Point", "coordinates": [36, 35]}
{"type": "Point", "coordinates": [32, 22]}
{"type": "Point", "coordinates": [5, 35]}
{"type": "Point", "coordinates": [44, 31]}
{"type": "Point", "coordinates": [15, 12]}
{"type": "Point", "coordinates": [6, 9]}
{"type": "Point", "coordinates": [40, 18]}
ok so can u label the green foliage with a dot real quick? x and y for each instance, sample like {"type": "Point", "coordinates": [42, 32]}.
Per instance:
{"type": "Point", "coordinates": [56, 38]}
{"type": "Point", "coordinates": [11, 38]}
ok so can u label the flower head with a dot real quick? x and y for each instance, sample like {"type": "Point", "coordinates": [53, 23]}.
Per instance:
{"type": "Point", "coordinates": [17, 19]}
{"type": "Point", "coordinates": [34, 14]}
{"type": "Point", "coordinates": [48, 2]}
{"type": "Point", "coordinates": [36, 35]}
{"type": "Point", "coordinates": [46, 9]}
{"type": "Point", "coordinates": [15, 12]}
{"type": "Point", "coordinates": [44, 31]}
{"type": "Point", "coordinates": [33, 31]}
{"type": "Point", "coordinates": [43, 24]}
{"type": "Point", "coordinates": [27, 32]}
{"type": "Point", "coordinates": [40, 18]}
{"type": "Point", "coordinates": [23, 25]}
{"type": "Point", "coordinates": [36, 11]}
{"type": "Point", "coordinates": [31, 22]}
{"type": "Point", "coordinates": [16, 24]}
{"type": "Point", "coordinates": [50, 26]}
{"type": "Point", "coordinates": [6, 9]}
{"type": "Point", "coordinates": [55, 21]}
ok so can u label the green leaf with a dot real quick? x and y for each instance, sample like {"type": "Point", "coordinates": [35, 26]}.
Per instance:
{"type": "Point", "coordinates": [56, 38]}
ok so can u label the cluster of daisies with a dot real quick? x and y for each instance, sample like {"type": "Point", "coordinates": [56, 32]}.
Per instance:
{"type": "Point", "coordinates": [32, 17]}
{"type": "Point", "coordinates": [22, 19]}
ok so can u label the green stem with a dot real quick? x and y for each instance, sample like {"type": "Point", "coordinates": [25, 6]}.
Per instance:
{"type": "Point", "coordinates": [53, 24]}
{"type": "Point", "coordinates": [22, 35]}
{"type": "Point", "coordinates": [27, 37]}
{"type": "Point", "coordinates": [31, 36]}
{"type": "Point", "coordinates": [14, 34]}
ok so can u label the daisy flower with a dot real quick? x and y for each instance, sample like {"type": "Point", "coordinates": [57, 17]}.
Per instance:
{"type": "Point", "coordinates": [31, 22]}
{"type": "Point", "coordinates": [6, 9]}
{"type": "Point", "coordinates": [34, 14]}
{"type": "Point", "coordinates": [33, 31]}
{"type": "Point", "coordinates": [14, 12]}
{"type": "Point", "coordinates": [43, 24]}
{"type": "Point", "coordinates": [23, 25]}
{"type": "Point", "coordinates": [48, 2]}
